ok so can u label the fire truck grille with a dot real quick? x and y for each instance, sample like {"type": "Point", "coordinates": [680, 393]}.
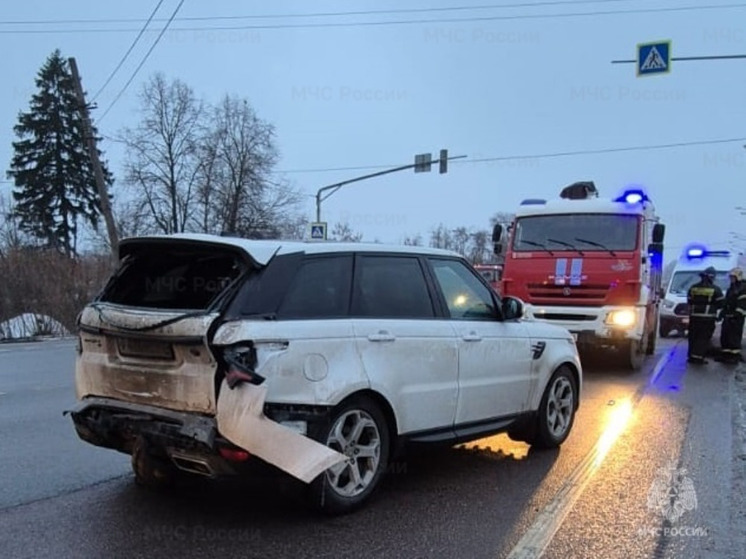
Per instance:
{"type": "Point", "coordinates": [588, 294]}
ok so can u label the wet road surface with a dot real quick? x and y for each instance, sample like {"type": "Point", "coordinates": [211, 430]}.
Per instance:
{"type": "Point", "coordinates": [648, 471]}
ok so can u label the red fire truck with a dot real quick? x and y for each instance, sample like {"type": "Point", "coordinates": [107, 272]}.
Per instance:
{"type": "Point", "coordinates": [492, 273]}
{"type": "Point", "coordinates": [590, 264]}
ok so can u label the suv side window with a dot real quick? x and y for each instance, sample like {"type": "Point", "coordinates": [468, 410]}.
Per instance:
{"type": "Point", "coordinates": [467, 298]}
{"type": "Point", "coordinates": [391, 287]}
{"type": "Point", "coordinates": [320, 289]}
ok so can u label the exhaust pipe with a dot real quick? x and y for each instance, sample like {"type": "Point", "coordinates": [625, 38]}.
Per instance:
{"type": "Point", "coordinates": [193, 464]}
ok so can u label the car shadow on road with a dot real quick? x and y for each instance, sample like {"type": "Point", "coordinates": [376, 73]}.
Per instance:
{"type": "Point", "coordinates": [494, 476]}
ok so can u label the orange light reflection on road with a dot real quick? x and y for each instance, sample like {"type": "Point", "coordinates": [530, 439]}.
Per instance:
{"type": "Point", "coordinates": [499, 446]}
{"type": "Point", "coordinates": [617, 422]}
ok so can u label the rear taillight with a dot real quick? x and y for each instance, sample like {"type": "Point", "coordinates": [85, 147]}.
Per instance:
{"type": "Point", "coordinates": [240, 367]}
{"type": "Point", "coordinates": [234, 454]}
{"type": "Point", "coordinates": [237, 375]}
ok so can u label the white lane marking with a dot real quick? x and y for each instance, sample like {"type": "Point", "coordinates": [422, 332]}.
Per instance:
{"type": "Point", "coordinates": [539, 535]}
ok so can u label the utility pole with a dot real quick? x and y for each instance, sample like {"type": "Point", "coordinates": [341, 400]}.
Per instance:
{"type": "Point", "coordinates": [93, 154]}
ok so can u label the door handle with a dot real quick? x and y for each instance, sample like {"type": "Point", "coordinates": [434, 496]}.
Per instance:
{"type": "Point", "coordinates": [472, 337]}
{"type": "Point", "coordinates": [381, 336]}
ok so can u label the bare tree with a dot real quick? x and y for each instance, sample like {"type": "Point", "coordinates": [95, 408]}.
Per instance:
{"type": "Point", "coordinates": [413, 240]}
{"type": "Point", "coordinates": [343, 232]}
{"type": "Point", "coordinates": [11, 235]}
{"type": "Point", "coordinates": [461, 238]}
{"type": "Point", "coordinates": [441, 237]}
{"type": "Point", "coordinates": [238, 193]}
{"type": "Point", "coordinates": [163, 156]}
{"type": "Point", "coordinates": [480, 248]}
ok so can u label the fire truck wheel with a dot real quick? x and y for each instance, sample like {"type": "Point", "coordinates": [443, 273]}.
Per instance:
{"type": "Point", "coordinates": [632, 353]}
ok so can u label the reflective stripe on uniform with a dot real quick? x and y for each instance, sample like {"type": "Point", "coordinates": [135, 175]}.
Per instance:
{"type": "Point", "coordinates": [704, 291]}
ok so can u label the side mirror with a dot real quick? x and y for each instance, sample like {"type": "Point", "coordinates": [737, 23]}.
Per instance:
{"type": "Point", "coordinates": [655, 248]}
{"type": "Point", "coordinates": [512, 308]}
{"type": "Point", "coordinates": [659, 231]}
{"type": "Point", "coordinates": [497, 232]}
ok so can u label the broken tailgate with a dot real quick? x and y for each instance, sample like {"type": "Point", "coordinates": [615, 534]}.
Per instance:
{"type": "Point", "coordinates": [148, 357]}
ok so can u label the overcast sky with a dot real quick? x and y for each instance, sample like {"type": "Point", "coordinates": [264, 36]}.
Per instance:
{"type": "Point", "coordinates": [515, 82]}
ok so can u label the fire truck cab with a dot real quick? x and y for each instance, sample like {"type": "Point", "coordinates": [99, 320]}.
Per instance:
{"type": "Point", "coordinates": [592, 265]}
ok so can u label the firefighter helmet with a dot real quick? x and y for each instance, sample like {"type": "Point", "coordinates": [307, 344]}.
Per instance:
{"type": "Point", "coordinates": [736, 273]}
{"type": "Point", "coordinates": [709, 272]}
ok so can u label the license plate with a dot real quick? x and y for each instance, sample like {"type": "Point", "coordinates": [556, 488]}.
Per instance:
{"type": "Point", "coordinates": [685, 321]}
{"type": "Point", "coordinates": [133, 347]}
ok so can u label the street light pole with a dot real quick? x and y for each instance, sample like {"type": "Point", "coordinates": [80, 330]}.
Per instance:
{"type": "Point", "coordinates": [336, 186]}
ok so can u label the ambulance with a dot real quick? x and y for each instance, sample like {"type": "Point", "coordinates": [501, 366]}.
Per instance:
{"type": "Point", "coordinates": [693, 260]}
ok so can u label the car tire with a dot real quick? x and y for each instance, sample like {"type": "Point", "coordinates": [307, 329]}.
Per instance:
{"type": "Point", "coordinates": [556, 413]}
{"type": "Point", "coordinates": [664, 330]}
{"type": "Point", "coordinates": [633, 354]}
{"type": "Point", "coordinates": [359, 429]}
{"type": "Point", "coordinates": [151, 471]}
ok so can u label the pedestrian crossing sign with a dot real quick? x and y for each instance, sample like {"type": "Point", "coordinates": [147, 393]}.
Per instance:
{"type": "Point", "coordinates": [318, 231]}
{"type": "Point", "coordinates": [654, 58]}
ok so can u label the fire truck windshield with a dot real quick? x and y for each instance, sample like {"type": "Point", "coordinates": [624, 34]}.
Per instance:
{"type": "Point", "coordinates": [595, 232]}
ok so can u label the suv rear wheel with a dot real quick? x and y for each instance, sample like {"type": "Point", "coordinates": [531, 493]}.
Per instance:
{"type": "Point", "coordinates": [357, 429]}
{"type": "Point", "coordinates": [151, 471]}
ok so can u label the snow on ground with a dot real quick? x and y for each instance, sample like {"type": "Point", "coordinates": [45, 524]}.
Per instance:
{"type": "Point", "coordinates": [30, 325]}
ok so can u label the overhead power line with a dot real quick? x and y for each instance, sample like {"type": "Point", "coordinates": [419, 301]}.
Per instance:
{"type": "Point", "coordinates": [396, 22]}
{"type": "Point", "coordinates": [326, 14]}
{"type": "Point", "coordinates": [129, 50]}
{"type": "Point", "coordinates": [142, 62]}
{"type": "Point", "coordinates": [535, 156]}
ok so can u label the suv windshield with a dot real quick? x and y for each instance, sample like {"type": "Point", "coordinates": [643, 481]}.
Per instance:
{"type": "Point", "coordinates": [682, 281]}
{"type": "Point", "coordinates": [586, 232]}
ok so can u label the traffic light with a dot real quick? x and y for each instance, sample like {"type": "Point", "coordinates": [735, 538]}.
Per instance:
{"type": "Point", "coordinates": [443, 161]}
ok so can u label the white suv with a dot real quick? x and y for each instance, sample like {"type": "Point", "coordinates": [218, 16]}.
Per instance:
{"type": "Point", "coordinates": [322, 359]}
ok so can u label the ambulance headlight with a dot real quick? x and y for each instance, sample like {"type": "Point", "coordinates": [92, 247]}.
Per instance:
{"type": "Point", "coordinates": [623, 318]}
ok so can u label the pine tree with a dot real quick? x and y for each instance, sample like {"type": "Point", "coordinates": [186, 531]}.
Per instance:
{"type": "Point", "coordinates": [55, 186]}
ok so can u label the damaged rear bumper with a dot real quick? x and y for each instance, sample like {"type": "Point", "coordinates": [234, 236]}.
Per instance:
{"type": "Point", "coordinates": [205, 445]}
{"type": "Point", "coordinates": [190, 441]}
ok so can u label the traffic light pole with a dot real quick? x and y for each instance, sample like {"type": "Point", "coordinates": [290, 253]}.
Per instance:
{"type": "Point", "coordinates": [336, 186]}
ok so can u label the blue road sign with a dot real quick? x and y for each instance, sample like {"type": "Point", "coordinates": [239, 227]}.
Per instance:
{"type": "Point", "coordinates": [654, 58]}
{"type": "Point", "coordinates": [318, 231]}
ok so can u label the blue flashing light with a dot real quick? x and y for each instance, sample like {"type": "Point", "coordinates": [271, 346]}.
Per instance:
{"type": "Point", "coordinates": [533, 201]}
{"type": "Point", "coordinates": [695, 252]}
{"type": "Point", "coordinates": [633, 196]}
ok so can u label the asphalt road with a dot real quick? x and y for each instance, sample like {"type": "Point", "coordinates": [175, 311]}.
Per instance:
{"type": "Point", "coordinates": [639, 440]}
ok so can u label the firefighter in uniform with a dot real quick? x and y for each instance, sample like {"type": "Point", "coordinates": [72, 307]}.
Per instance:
{"type": "Point", "coordinates": [733, 314]}
{"type": "Point", "coordinates": [704, 299]}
